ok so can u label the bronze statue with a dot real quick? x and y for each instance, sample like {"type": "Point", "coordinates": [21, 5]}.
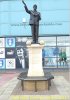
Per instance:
{"type": "Point", "coordinates": [35, 17]}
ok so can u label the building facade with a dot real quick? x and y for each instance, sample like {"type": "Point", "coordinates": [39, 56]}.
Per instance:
{"type": "Point", "coordinates": [15, 31]}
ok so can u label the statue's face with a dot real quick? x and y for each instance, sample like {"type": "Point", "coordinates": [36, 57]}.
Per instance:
{"type": "Point", "coordinates": [35, 7]}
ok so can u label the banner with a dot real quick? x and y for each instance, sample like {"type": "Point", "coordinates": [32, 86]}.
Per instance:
{"type": "Point", "coordinates": [10, 53]}
{"type": "Point", "coordinates": [21, 41]}
{"type": "Point", "coordinates": [2, 63]}
{"type": "Point", "coordinates": [2, 42]}
{"type": "Point", "coordinates": [10, 64]}
{"type": "Point", "coordinates": [10, 42]}
{"type": "Point", "coordinates": [2, 52]}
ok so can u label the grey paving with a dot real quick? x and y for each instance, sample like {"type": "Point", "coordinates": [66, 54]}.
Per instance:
{"type": "Point", "coordinates": [60, 86]}
{"type": "Point", "coordinates": [6, 90]}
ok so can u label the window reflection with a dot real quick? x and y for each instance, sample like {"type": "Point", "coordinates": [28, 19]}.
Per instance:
{"type": "Point", "coordinates": [58, 55]}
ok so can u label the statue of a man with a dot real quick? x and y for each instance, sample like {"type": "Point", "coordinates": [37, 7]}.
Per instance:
{"type": "Point", "coordinates": [35, 17]}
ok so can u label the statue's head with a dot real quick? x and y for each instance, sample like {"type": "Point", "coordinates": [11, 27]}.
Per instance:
{"type": "Point", "coordinates": [34, 6]}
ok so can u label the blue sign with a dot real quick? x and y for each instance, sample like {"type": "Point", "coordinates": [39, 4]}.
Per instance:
{"type": "Point", "coordinates": [10, 42]}
{"type": "Point", "coordinates": [2, 63]}
{"type": "Point", "coordinates": [56, 51]}
{"type": "Point", "coordinates": [51, 52]}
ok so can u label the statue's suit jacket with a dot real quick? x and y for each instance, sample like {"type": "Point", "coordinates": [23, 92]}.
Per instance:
{"type": "Point", "coordinates": [35, 16]}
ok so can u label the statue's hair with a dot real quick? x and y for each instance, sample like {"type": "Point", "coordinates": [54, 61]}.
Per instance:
{"type": "Point", "coordinates": [35, 5]}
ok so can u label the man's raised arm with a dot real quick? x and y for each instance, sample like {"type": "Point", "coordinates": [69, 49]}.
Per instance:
{"type": "Point", "coordinates": [23, 2]}
{"type": "Point", "coordinates": [28, 11]}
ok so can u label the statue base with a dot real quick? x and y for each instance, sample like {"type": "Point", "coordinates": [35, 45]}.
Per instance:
{"type": "Point", "coordinates": [36, 83]}
{"type": "Point", "coordinates": [35, 60]}
{"type": "Point", "coordinates": [35, 79]}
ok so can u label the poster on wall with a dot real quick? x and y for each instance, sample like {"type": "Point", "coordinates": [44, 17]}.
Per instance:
{"type": "Point", "coordinates": [10, 64]}
{"type": "Point", "coordinates": [50, 51]}
{"type": "Point", "coordinates": [49, 54]}
{"type": "Point", "coordinates": [2, 42]}
{"type": "Point", "coordinates": [10, 42]}
{"type": "Point", "coordinates": [2, 52]}
{"type": "Point", "coordinates": [10, 52]}
{"type": "Point", "coordinates": [2, 63]}
{"type": "Point", "coordinates": [20, 52]}
{"type": "Point", "coordinates": [21, 41]}
{"type": "Point", "coordinates": [20, 57]}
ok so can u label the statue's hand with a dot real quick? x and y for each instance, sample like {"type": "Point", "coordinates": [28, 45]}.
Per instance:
{"type": "Point", "coordinates": [23, 2]}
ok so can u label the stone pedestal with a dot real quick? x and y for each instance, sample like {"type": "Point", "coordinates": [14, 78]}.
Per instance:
{"type": "Point", "coordinates": [35, 60]}
{"type": "Point", "coordinates": [35, 79]}
{"type": "Point", "coordinates": [36, 83]}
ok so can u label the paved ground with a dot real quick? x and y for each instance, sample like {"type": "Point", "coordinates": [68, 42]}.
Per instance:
{"type": "Point", "coordinates": [9, 85]}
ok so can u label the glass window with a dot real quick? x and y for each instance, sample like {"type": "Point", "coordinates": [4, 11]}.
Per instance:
{"type": "Point", "coordinates": [49, 41]}
{"type": "Point", "coordinates": [50, 62]}
{"type": "Point", "coordinates": [63, 41]}
{"type": "Point", "coordinates": [4, 5]}
{"type": "Point", "coordinates": [5, 29]}
{"type": "Point", "coordinates": [17, 17]}
{"type": "Point", "coordinates": [4, 17]}
{"type": "Point", "coordinates": [19, 29]}
{"type": "Point", "coordinates": [15, 5]}
{"type": "Point", "coordinates": [63, 57]}
{"type": "Point", "coordinates": [13, 12]}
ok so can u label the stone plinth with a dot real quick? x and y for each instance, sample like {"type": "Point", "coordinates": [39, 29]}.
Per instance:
{"type": "Point", "coordinates": [36, 83]}
{"type": "Point", "coordinates": [35, 60]}
{"type": "Point", "coordinates": [35, 79]}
